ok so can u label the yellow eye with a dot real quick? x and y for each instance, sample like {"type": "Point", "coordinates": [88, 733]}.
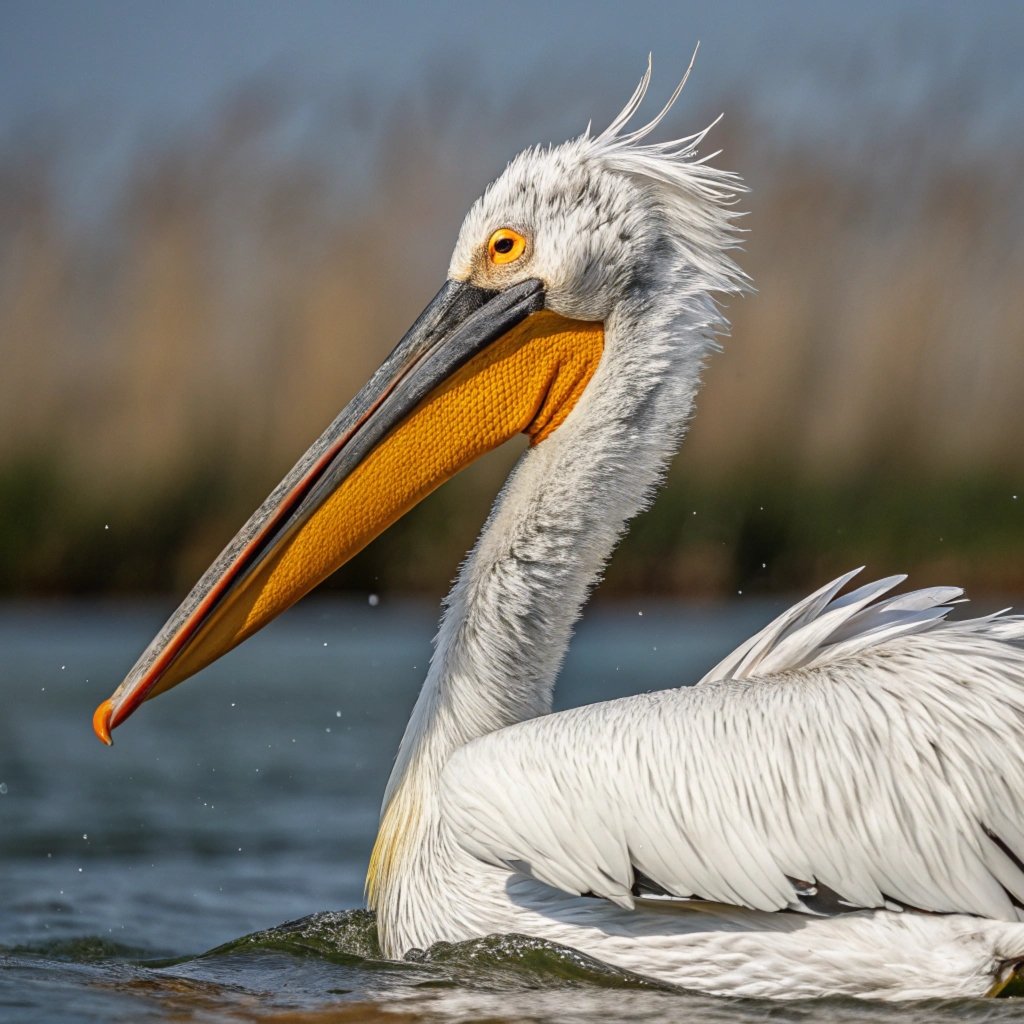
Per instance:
{"type": "Point", "coordinates": [505, 246]}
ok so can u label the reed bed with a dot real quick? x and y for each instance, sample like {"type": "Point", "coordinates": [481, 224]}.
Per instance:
{"type": "Point", "coordinates": [166, 358]}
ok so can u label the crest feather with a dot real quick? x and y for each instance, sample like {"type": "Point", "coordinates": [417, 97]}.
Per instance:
{"type": "Point", "coordinates": [697, 197]}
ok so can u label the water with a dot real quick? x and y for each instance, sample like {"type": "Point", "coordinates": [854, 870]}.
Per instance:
{"type": "Point", "coordinates": [155, 881]}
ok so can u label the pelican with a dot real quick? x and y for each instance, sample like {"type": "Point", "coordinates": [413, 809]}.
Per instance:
{"type": "Point", "coordinates": [836, 808]}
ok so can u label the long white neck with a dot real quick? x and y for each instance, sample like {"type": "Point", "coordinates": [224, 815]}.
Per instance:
{"type": "Point", "coordinates": [509, 617]}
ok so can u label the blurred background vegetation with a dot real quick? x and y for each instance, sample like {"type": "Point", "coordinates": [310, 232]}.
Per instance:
{"type": "Point", "coordinates": [168, 354]}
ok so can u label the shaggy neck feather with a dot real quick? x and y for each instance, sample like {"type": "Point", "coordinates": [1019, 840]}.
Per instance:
{"type": "Point", "coordinates": [509, 617]}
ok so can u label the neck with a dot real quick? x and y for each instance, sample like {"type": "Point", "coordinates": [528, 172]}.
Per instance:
{"type": "Point", "coordinates": [509, 617]}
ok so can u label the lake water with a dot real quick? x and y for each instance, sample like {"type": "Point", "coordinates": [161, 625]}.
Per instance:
{"type": "Point", "coordinates": [155, 881]}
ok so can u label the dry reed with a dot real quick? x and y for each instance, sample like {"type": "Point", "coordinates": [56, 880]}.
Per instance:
{"type": "Point", "coordinates": [160, 371]}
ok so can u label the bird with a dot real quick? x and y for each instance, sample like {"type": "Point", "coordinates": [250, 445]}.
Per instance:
{"type": "Point", "coordinates": [837, 808]}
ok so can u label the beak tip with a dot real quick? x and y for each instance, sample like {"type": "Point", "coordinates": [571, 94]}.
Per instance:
{"type": "Point", "coordinates": [101, 722]}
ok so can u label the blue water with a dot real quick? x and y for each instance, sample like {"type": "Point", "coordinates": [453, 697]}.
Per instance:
{"type": "Point", "coordinates": [248, 798]}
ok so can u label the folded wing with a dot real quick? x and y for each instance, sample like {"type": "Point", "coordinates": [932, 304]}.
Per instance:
{"type": "Point", "coordinates": [857, 753]}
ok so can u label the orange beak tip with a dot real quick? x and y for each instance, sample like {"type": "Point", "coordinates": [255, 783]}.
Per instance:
{"type": "Point", "coordinates": [101, 722]}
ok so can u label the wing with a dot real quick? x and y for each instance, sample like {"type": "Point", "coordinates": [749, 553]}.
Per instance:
{"type": "Point", "coordinates": [852, 755]}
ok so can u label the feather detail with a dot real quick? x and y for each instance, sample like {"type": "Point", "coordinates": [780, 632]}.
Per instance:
{"type": "Point", "coordinates": [871, 770]}
{"type": "Point", "coordinates": [824, 628]}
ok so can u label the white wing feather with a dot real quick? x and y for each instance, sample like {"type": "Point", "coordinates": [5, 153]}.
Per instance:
{"type": "Point", "coordinates": [824, 628]}
{"type": "Point", "coordinates": [857, 752]}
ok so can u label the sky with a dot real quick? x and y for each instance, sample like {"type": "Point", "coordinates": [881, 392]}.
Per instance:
{"type": "Point", "coordinates": [105, 79]}
{"type": "Point", "coordinates": [146, 62]}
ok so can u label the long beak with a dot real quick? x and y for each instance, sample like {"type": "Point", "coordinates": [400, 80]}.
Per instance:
{"type": "Point", "coordinates": [476, 368]}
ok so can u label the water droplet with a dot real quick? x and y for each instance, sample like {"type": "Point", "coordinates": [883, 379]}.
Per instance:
{"type": "Point", "coordinates": [106, 526]}
{"type": "Point", "coordinates": [3, 789]}
{"type": "Point", "coordinates": [373, 600]}
{"type": "Point", "coordinates": [337, 714]}
{"type": "Point", "coordinates": [85, 835]}
{"type": "Point", "coordinates": [325, 643]}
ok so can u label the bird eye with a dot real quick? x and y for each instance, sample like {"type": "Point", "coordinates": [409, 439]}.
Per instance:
{"type": "Point", "coordinates": [505, 246]}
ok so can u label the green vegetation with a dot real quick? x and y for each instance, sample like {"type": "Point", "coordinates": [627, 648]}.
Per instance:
{"type": "Point", "coordinates": [703, 539]}
{"type": "Point", "coordinates": [754, 535]}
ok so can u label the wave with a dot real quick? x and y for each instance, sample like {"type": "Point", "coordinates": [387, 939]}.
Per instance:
{"type": "Point", "coordinates": [328, 967]}
{"type": "Point", "coordinates": [495, 962]}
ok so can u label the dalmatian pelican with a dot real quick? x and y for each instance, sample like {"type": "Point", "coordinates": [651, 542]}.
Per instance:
{"type": "Point", "coordinates": [836, 808]}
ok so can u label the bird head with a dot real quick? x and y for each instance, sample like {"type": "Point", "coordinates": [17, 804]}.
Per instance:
{"type": "Point", "coordinates": [511, 343]}
{"type": "Point", "coordinates": [560, 217]}
{"type": "Point", "coordinates": [598, 217]}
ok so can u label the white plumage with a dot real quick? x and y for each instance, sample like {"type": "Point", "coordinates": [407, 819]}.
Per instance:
{"type": "Point", "coordinates": [826, 781]}
{"type": "Point", "coordinates": [836, 807]}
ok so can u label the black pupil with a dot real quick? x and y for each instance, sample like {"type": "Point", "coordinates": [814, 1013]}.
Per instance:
{"type": "Point", "coordinates": [503, 245]}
